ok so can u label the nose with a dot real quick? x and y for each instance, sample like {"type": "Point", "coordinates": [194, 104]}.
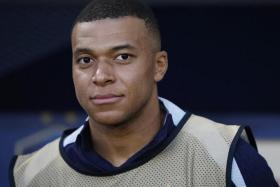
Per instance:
{"type": "Point", "coordinates": [104, 74]}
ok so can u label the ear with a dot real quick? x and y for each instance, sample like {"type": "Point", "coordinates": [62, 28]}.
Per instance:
{"type": "Point", "coordinates": [161, 65]}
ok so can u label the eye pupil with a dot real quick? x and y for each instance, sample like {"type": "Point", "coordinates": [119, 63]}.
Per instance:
{"type": "Point", "coordinates": [124, 56]}
{"type": "Point", "coordinates": [86, 59]}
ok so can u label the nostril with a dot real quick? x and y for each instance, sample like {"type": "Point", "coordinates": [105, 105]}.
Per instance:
{"type": "Point", "coordinates": [108, 81]}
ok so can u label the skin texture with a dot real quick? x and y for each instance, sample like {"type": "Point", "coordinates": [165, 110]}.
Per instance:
{"type": "Point", "coordinates": [116, 67]}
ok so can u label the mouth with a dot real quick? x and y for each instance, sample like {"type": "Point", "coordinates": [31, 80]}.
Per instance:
{"type": "Point", "coordinates": [106, 99]}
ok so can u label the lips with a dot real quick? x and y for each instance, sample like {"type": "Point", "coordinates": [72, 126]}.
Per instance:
{"type": "Point", "coordinates": [105, 99]}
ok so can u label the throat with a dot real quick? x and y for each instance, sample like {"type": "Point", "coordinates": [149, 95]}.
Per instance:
{"type": "Point", "coordinates": [117, 145]}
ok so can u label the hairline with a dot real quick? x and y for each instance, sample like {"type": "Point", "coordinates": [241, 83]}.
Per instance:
{"type": "Point", "coordinates": [153, 32]}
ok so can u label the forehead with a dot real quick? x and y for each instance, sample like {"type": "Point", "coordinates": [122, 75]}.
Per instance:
{"type": "Point", "coordinates": [108, 32]}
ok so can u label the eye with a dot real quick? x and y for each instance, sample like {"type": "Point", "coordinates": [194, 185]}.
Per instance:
{"type": "Point", "coordinates": [123, 57]}
{"type": "Point", "coordinates": [84, 60]}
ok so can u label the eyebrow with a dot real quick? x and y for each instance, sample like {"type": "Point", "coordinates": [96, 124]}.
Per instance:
{"type": "Point", "coordinates": [113, 49]}
{"type": "Point", "coordinates": [82, 50]}
{"type": "Point", "coordinates": [124, 46]}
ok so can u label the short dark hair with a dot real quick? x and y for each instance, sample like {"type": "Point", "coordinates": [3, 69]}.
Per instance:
{"type": "Point", "coordinates": [102, 9]}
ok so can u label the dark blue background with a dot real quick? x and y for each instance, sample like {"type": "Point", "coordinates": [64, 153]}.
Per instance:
{"type": "Point", "coordinates": [221, 58]}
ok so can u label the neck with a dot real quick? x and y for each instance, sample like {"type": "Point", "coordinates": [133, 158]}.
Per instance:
{"type": "Point", "coordinates": [118, 143]}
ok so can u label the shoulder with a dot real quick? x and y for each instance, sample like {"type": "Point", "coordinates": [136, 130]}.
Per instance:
{"type": "Point", "coordinates": [44, 152]}
{"type": "Point", "coordinates": [28, 165]}
{"type": "Point", "coordinates": [207, 130]}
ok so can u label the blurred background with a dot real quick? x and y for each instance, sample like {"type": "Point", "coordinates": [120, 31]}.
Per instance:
{"type": "Point", "coordinates": [223, 64]}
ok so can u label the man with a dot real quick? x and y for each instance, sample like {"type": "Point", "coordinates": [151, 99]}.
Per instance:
{"type": "Point", "coordinates": [131, 136]}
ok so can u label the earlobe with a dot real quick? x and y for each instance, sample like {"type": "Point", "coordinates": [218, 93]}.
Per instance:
{"type": "Point", "coordinates": [161, 65]}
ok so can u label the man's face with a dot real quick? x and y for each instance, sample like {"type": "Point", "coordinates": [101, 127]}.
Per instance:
{"type": "Point", "coordinates": [115, 69]}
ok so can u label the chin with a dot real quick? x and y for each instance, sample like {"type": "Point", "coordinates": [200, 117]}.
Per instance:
{"type": "Point", "coordinates": [109, 118]}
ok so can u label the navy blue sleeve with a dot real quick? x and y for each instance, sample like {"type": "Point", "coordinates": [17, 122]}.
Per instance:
{"type": "Point", "coordinates": [253, 166]}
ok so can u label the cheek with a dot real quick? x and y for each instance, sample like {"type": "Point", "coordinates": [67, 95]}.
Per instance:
{"type": "Point", "coordinates": [80, 83]}
{"type": "Point", "coordinates": [138, 82]}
